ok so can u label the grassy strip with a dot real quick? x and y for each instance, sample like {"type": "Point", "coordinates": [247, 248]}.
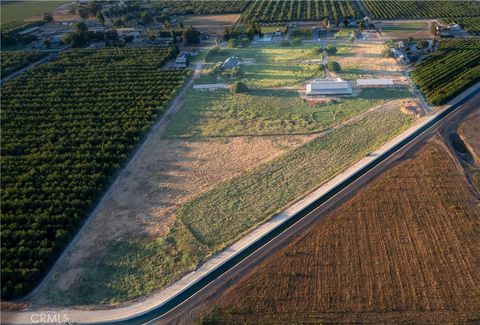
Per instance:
{"type": "Point", "coordinates": [267, 112]}
{"type": "Point", "coordinates": [223, 214]}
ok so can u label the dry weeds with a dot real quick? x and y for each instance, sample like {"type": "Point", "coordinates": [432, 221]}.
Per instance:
{"type": "Point", "coordinates": [167, 174]}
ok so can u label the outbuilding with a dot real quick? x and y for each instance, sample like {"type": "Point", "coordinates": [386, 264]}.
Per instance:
{"type": "Point", "coordinates": [374, 83]}
{"type": "Point", "coordinates": [328, 87]}
{"type": "Point", "coordinates": [230, 63]}
{"type": "Point", "coordinates": [181, 62]}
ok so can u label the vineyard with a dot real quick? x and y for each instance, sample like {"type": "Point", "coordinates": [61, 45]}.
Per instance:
{"type": "Point", "coordinates": [454, 67]}
{"type": "Point", "coordinates": [422, 9]}
{"type": "Point", "coordinates": [267, 11]}
{"type": "Point", "coordinates": [16, 60]}
{"type": "Point", "coordinates": [386, 256]}
{"type": "Point", "coordinates": [201, 7]}
{"type": "Point", "coordinates": [67, 127]}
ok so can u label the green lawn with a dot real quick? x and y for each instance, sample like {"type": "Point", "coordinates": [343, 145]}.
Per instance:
{"type": "Point", "coordinates": [20, 10]}
{"type": "Point", "coordinates": [408, 26]}
{"type": "Point", "coordinates": [267, 112]}
{"type": "Point", "coordinates": [277, 75]}
{"type": "Point", "coordinates": [270, 54]}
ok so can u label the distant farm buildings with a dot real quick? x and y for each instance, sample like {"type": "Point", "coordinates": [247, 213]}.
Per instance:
{"type": "Point", "coordinates": [181, 62]}
{"type": "Point", "coordinates": [328, 87]}
{"type": "Point", "coordinates": [374, 83]}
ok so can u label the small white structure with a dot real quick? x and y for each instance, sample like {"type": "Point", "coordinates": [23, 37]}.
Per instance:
{"type": "Point", "coordinates": [278, 32]}
{"type": "Point", "coordinates": [328, 87]}
{"type": "Point", "coordinates": [267, 38]}
{"type": "Point", "coordinates": [374, 83]}
{"type": "Point", "coordinates": [28, 31]}
{"type": "Point", "coordinates": [181, 62]}
{"type": "Point", "coordinates": [230, 63]}
{"type": "Point", "coordinates": [209, 86]}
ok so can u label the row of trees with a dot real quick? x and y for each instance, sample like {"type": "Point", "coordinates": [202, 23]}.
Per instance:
{"type": "Point", "coordinates": [422, 9]}
{"type": "Point", "coordinates": [451, 69]}
{"type": "Point", "coordinates": [15, 60]}
{"type": "Point", "coordinates": [67, 126]}
{"type": "Point", "coordinates": [266, 11]}
{"type": "Point", "coordinates": [200, 7]}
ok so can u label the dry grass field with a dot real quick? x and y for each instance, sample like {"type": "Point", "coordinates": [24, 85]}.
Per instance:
{"type": "Point", "coordinates": [168, 174]}
{"type": "Point", "coordinates": [405, 249]}
{"type": "Point", "coordinates": [365, 60]}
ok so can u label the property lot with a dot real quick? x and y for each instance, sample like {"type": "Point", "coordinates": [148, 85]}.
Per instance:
{"type": "Point", "coordinates": [224, 163]}
{"type": "Point", "coordinates": [382, 257]}
{"type": "Point", "coordinates": [274, 104]}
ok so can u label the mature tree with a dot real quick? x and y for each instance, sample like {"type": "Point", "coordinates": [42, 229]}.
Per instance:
{"type": "Point", "coordinates": [332, 50]}
{"type": "Point", "coordinates": [46, 43]}
{"type": "Point", "coordinates": [48, 17]}
{"type": "Point", "coordinates": [80, 36]}
{"type": "Point", "coordinates": [147, 18]}
{"type": "Point", "coordinates": [334, 66]}
{"type": "Point", "coordinates": [238, 87]}
{"type": "Point", "coordinates": [101, 17]}
{"type": "Point", "coordinates": [83, 12]}
{"type": "Point", "coordinates": [421, 45]}
{"type": "Point", "coordinates": [191, 36]}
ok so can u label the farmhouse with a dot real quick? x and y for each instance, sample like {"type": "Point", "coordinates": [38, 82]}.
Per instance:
{"type": "Point", "coordinates": [230, 63]}
{"type": "Point", "coordinates": [328, 87]}
{"type": "Point", "coordinates": [374, 83]}
{"type": "Point", "coordinates": [181, 62]}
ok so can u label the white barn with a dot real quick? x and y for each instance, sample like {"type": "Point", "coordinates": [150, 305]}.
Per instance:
{"type": "Point", "coordinates": [328, 87]}
{"type": "Point", "coordinates": [374, 83]}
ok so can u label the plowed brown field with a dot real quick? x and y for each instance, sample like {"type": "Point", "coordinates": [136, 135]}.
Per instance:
{"type": "Point", "coordinates": [404, 249]}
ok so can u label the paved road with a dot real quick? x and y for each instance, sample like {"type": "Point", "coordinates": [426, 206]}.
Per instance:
{"type": "Point", "coordinates": [183, 296]}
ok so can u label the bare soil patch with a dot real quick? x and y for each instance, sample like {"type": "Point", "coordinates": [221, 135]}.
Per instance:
{"type": "Point", "coordinates": [406, 249]}
{"type": "Point", "coordinates": [209, 23]}
{"type": "Point", "coordinates": [167, 174]}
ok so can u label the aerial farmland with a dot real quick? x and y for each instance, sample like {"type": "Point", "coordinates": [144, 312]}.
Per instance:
{"type": "Point", "coordinates": [152, 148]}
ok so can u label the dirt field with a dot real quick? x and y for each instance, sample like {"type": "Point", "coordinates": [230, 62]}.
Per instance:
{"type": "Point", "coordinates": [144, 202]}
{"type": "Point", "coordinates": [406, 29]}
{"type": "Point", "coordinates": [469, 131]}
{"type": "Point", "coordinates": [406, 249]}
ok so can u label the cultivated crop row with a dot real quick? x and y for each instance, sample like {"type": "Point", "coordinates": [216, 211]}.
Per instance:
{"type": "Point", "coordinates": [202, 7]}
{"type": "Point", "coordinates": [454, 67]}
{"type": "Point", "coordinates": [267, 11]}
{"type": "Point", "coordinates": [67, 127]}
{"type": "Point", "coordinates": [422, 9]}
{"type": "Point", "coordinates": [15, 60]}
{"type": "Point", "coordinates": [404, 250]}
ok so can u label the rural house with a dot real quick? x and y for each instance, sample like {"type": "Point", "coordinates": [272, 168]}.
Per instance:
{"type": "Point", "coordinates": [181, 62]}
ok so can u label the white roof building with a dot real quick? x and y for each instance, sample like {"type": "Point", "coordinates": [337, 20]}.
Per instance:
{"type": "Point", "coordinates": [374, 83]}
{"type": "Point", "coordinates": [209, 86]}
{"type": "Point", "coordinates": [329, 87]}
